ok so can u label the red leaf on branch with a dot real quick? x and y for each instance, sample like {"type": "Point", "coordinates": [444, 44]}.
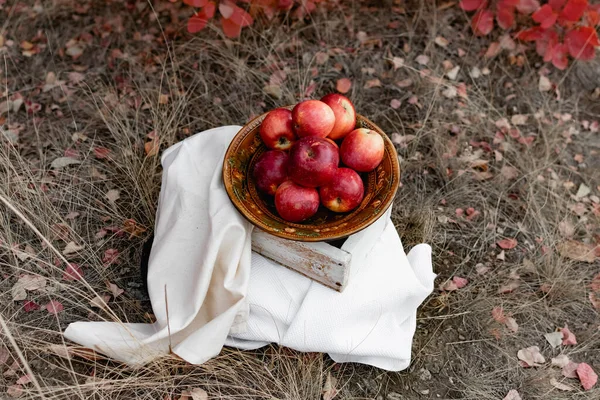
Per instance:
{"type": "Point", "coordinates": [545, 16]}
{"type": "Point", "coordinates": [581, 41]}
{"type": "Point", "coordinates": [505, 15]}
{"type": "Point", "coordinates": [574, 10]}
{"type": "Point", "coordinates": [531, 34]}
{"type": "Point", "coordinates": [209, 10]}
{"type": "Point", "coordinates": [557, 5]}
{"type": "Point", "coordinates": [230, 28]}
{"type": "Point", "coordinates": [472, 5]}
{"type": "Point", "coordinates": [226, 9]}
{"type": "Point", "coordinates": [483, 22]}
{"type": "Point", "coordinates": [559, 56]}
{"type": "Point", "coordinates": [196, 3]}
{"type": "Point", "coordinates": [592, 17]}
{"type": "Point", "coordinates": [196, 23]}
{"type": "Point", "coordinates": [546, 43]}
{"type": "Point", "coordinates": [528, 6]}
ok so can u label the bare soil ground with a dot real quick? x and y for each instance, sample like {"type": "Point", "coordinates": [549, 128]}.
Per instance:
{"type": "Point", "coordinates": [487, 157]}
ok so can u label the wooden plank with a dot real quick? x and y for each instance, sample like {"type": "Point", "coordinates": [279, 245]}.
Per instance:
{"type": "Point", "coordinates": [318, 261]}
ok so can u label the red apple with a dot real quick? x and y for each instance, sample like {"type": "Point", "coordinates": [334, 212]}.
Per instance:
{"type": "Point", "coordinates": [276, 129]}
{"type": "Point", "coordinates": [295, 203]}
{"type": "Point", "coordinates": [362, 150]}
{"type": "Point", "coordinates": [344, 192]}
{"type": "Point", "coordinates": [313, 161]}
{"type": "Point", "coordinates": [345, 115]}
{"type": "Point", "coordinates": [270, 171]}
{"type": "Point", "coordinates": [312, 118]}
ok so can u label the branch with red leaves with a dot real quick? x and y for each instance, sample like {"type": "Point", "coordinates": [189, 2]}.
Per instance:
{"type": "Point", "coordinates": [234, 18]}
{"type": "Point", "coordinates": [564, 27]}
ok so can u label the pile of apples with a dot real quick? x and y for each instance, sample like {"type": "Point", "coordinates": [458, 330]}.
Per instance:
{"type": "Point", "coordinates": [302, 166]}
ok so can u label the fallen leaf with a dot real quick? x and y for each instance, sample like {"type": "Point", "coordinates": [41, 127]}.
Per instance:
{"type": "Point", "coordinates": [62, 162]}
{"type": "Point", "coordinates": [395, 104]}
{"type": "Point", "coordinates": [493, 50]}
{"type": "Point", "coordinates": [568, 337]}
{"type": "Point", "coordinates": [441, 41]}
{"type": "Point", "coordinates": [560, 361]}
{"type": "Point", "coordinates": [509, 287]}
{"type": "Point", "coordinates": [151, 148]}
{"type": "Point", "coordinates": [501, 256]}
{"type": "Point", "coordinates": [404, 83]}
{"type": "Point", "coordinates": [507, 244]}
{"type": "Point", "coordinates": [72, 248]}
{"type": "Point", "coordinates": [422, 59]}
{"type": "Point", "coordinates": [4, 355]}
{"type": "Point", "coordinates": [559, 385]}
{"type": "Point", "coordinates": [554, 338]}
{"type": "Point", "coordinates": [512, 395]}
{"type": "Point", "coordinates": [115, 290]}
{"type": "Point", "coordinates": [498, 314]}
{"type": "Point", "coordinates": [27, 283]}
{"type": "Point", "coordinates": [74, 51]}
{"type": "Point", "coordinates": [54, 307]}
{"type": "Point", "coordinates": [273, 91]}
{"type": "Point", "coordinates": [531, 357]}
{"type": "Point", "coordinates": [198, 394]}
{"type": "Point", "coordinates": [329, 390]}
{"type": "Point", "coordinates": [60, 350]}
{"type": "Point", "coordinates": [29, 306]}
{"type": "Point", "coordinates": [110, 257]}
{"type": "Point", "coordinates": [453, 73]}
{"type": "Point", "coordinates": [509, 172]}
{"type": "Point", "coordinates": [398, 62]}
{"type": "Point", "coordinates": [76, 77]}
{"type": "Point", "coordinates": [587, 376]}
{"type": "Point", "coordinates": [454, 284]}
{"type": "Point", "coordinates": [101, 152]}
{"type": "Point", "coordinates": [321, 57]}
{"type": "Point", "coordinates": [113, 195]}
{"type": "Point", "coordinates": [570, 370]}
{"type": "Point", "coordinates": [450, 92]}
{"type": "Point", "coordinates": [544, 84]}
{"type": "Point", "coordinates": [460, 282]}
{"type": "Point", "coordinates": [475, 73]}
{"type": "Point", "coordinates": [14, 391]}
{"type": "Point", "coordinates": [582, 191]}
{"type": "Point", "coordinates": [100, 302]}
{"type": "Point", "coordinates": [482, 269]}
{"type": "Point", "coordinates": [25, 379]}
{"type": "Point", "coordinates": [566, 228]}
{"type": "Point", "coordinates": [371, 83]}
{"type": "Point", "coordinates": [577, 251]}
{"type": "Point", "coordinates": [511, 324]}
{"type": "Point", "coordinates": [343, 85]}
{"type": "Point", "coordinates": [73, 272]}
{"type": "Point", "coordinates": [519, 119]}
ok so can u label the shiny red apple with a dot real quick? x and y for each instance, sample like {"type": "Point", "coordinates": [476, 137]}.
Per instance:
{"type": "Point", "coordinates": [312, 118]}
{"type": "Point", "coordinates": [276, 129]}
{"type": "Point", "coordinates": [362, 150]}
{"type": "Point", "coordinates": [270, 171]}
{"type": "Point", "coordinates": [295, 203]}
{"type": "Point", "coordinates": [345, 191]}
{"type": "Point", "coordinates": [313, 161]}
{"type": "Point", "coordinates": [345, 115]}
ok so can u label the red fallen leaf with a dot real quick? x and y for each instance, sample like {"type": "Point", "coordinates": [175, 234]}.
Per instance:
{"type": "Point", "coordinates": [595, 285]}
{"type": "Point", "coordinates": [460, 282]}
{"type": "Point", "coordinates": [509, 287]}
{"type": "Point", "coordinates": [507, 244]}
{"type": "Point", "coordinates": [568, 336]}
{"type": "Point", "coordinates": [472, 5]}
{"type": "Point", "coordinates": [29, 306]}
{"type": "Point", "coordinates": [101, 152]}
{"type": "Point", "coordinates": [241, 17]}
{"type": "Point", "coordinates": [493, 50]}
{"type": "Point", "coordinates": [230, 28]}
{"type": "Point", "coordinates": [196, 3]}
{"type": "Point", "coordinates": [505, 15]}
{"type": "Point", "coordinates": [343, 85]}
{"type": "Point", "coordinates": [545, 16]}
{"type": "Point", "coordinates": [559, 56]}
{"type": "Point", "coordinates": [54, 307]}
{"type": "Point", "coordinates": [25, 379]}
{"type": "Point", "coordinates": [196, 23]}
{"type": "Point", "coordinates": [574, 10]}
{"type": "Point", "coordinates": [581, 42]}
{"type": "Point", "coordinates": [14, 391]}
{"type": "Point", "coordinates": [587, 376]}
{"type": "Point", "coordinates": [73, 272]}
{"type": "Point", "coordinates": [498, 314]}
{"type": "Point", "coordinates": [110, 257]}
{"type": "Point", "coordinates": [483, 22]}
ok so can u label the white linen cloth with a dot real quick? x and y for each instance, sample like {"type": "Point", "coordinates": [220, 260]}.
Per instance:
{"type": "Point", "coordinates": [219, 292]}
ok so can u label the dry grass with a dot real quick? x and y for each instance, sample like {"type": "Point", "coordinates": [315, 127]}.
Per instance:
{"type": "Point", "coordinates": [211, 82]}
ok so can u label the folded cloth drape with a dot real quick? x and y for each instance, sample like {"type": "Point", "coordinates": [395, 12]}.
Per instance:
{"type": "Point", "coordinates": [218, 292]}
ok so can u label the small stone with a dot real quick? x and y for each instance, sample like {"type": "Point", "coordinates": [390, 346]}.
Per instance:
{"type": "Point", "coordinates": [424, 374]}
